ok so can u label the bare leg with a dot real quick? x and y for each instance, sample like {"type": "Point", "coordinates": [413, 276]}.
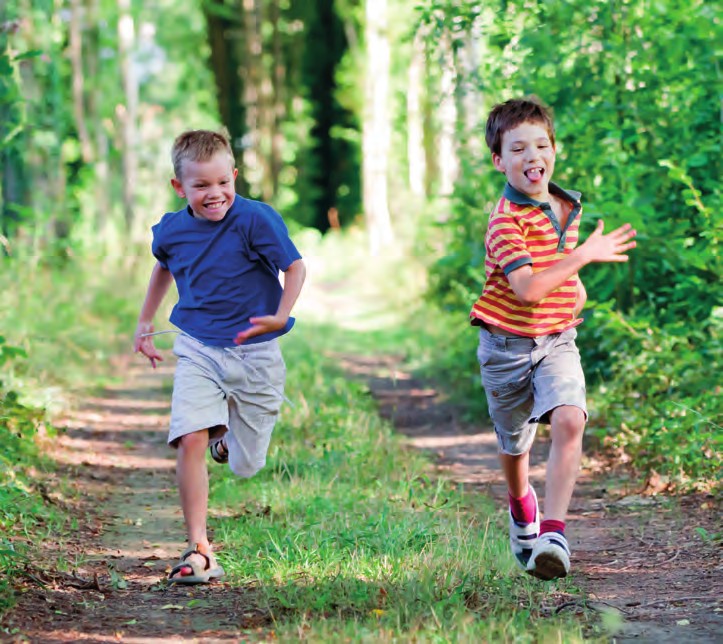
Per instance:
{"type": "Point", "coordinates": [516, 469]}
{"type": "Point", "coordinates": [192, 478]}
{"type": "Point", "coordinates": [568, 425]}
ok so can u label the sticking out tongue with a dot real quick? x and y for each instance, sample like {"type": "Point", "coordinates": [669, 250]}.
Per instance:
{"type": "Point", "coordinates": [534, 175]}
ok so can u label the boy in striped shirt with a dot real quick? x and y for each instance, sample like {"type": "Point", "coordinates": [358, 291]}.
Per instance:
{"type": "Point", "coordinates": [527, 315]}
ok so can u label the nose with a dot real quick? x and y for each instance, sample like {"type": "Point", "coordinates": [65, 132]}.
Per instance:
{"type": "Point", "coordinates": [532, 153]}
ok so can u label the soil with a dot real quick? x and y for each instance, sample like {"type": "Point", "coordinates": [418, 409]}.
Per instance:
{"type": "Point", "coordinates": [638, 553]}
{"type": "Point", "coordinates": [105, 580]}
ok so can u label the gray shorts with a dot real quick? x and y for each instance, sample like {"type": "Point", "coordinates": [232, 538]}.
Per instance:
{"type": "Point", "coordinates": [525, 379]}
{"type": "Point", "coordinates": [234, 392]}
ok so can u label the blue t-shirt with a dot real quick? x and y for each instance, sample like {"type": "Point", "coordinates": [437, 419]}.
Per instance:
{"type": "Point", "coordinates": [226, 271]}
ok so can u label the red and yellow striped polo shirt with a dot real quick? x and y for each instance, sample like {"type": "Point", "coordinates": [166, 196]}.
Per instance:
{"type": "Point", "coordinates": [524, 231]}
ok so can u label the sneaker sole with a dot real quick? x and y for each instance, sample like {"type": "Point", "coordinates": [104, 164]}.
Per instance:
{"type": "Point", "coordinates": [548, 567]}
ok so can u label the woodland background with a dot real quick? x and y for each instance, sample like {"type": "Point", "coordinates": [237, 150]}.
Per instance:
{"type": "Point", "coordinates": [348, 115]}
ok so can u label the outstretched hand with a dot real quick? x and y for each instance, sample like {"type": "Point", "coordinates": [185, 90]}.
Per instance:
{"type": "Point", "coordinates": [145, 345]}
{"type": "Point", "coordinates": [609, 248]}
{"type": "Point", "coordinates": [265, 324]}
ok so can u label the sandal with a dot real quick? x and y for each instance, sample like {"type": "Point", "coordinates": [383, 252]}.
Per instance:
{"type": "Point", "coordinates": [216, 454]}
{"type": "Point", "coordinates": [201, 575]}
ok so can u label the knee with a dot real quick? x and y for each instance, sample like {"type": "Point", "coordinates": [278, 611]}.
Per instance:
{"type": "Point", "coordinates": [194, 442]}
{"type": "Point", "coordinates": [568, 424]}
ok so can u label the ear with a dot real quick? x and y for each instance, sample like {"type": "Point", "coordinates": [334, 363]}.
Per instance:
{"type": "Point", "coordinates": [178, 188]}
{"type": "Point", "coordinates": [235, 173]}
{"type": "Point", "coordinates": [498, 163]}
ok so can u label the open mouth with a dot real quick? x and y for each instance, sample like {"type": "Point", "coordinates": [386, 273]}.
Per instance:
{"type": "Point", "coordinates": [214, 205]}
{"type": "Point", "coordinates": [535, 174]}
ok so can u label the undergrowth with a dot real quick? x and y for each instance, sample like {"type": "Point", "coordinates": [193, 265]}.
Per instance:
{"type": "Point", "coordinates": [345, 537]}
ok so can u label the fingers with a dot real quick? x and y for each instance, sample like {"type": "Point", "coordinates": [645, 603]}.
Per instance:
{"type": "Point", "coordinates": [600, 226]}
{"type": "Point", "coordinates": [248, 333]}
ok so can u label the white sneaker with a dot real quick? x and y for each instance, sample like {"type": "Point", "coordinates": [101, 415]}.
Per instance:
{"type": "Point", "coordinates": [550, 557]}
{"type": "Point", "coordinates": [524, 535]}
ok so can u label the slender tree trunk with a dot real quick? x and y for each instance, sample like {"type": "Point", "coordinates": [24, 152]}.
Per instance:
{"type": "Point", "coordinates": [415, 120]}
{"type": "Point", "coordinates": [253, 75]}
{"type": "Point", "coordinates": [126, 42]}
{"type": "Point", "coordinates": [95, 108]}
{"type": "Point", "coordinates": [226, 39]}
{"type": "Point", "coordinates": [448, 163]}
{"type": "Point", "coordinates": [376, 129]}
{"type": "Point", "coordinates": [76, 60]}
{"type": "Point", "coordinates": [279, 99]}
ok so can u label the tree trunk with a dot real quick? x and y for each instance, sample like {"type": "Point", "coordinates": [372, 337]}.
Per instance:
{"type": "Point", "coordinates": [415, 121]}
{"type": "Point", "coordinates": [226, 39]}
{"type": "Point", "coordinates": [253, 75]}
{"type": "Point", "coordinates": [279, 98]}
{"type": "Point", "coordinates": [95, 108]}
{"type": "Point", "coordinates": [76, 61]}
{"type": "Point", "coordinates": [126, 42]}
{"type": "Point", "coordinates": [376, 129]}
{"type": "Point", "coordinates": [448, 163]}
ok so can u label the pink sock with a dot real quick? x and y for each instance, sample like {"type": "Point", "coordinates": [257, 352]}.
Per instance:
{"type": "Point", "coordinates": [551, 525]}
{"type": "Point", "coordinates": [523, 509]}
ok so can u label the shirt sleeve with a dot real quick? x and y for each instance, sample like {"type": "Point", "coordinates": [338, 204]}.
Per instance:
{"type": "Point", "coordinates": [270, 240]}
{"type": "Point", "coordinates": [156, 247]}
{"type": "Point", "coordinates": [506, 245]}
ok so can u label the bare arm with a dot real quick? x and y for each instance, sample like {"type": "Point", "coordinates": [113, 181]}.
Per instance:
{"type": "Point", "coordinates": [158, 286]}
{"type": "Point", "coordinates": [530, 288]}
{"type": "Point", "coordinates": [293, 281]}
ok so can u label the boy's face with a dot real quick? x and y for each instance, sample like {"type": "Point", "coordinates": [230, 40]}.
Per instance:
{"type": "Point", "coordinates": [528, 159]}
{"type": "Point", "coordinates": [208, 186]}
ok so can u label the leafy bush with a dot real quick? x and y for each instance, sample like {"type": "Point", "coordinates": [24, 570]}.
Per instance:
{"type": "Point", "coordinates": [658, 403]}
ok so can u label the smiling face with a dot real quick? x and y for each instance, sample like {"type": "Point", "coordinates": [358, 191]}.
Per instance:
{"type": "Point", "coordinates": [527, 157]}
{"type": "Point", "coordinates": [208, 186]}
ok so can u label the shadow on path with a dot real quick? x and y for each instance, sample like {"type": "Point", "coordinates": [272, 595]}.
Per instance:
{"type": "Point", "coordinates": [636, 555]}
{"type": "Point", "coordinates": [130, 532]}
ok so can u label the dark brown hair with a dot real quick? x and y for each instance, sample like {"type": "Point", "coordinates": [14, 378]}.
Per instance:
{"type": "Point", "coordinates": [198, 145]}
{"type": "Point", "coordinates": [508, 115]}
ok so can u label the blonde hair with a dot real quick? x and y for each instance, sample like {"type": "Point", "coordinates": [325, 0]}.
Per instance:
{"type": "Point", "coordinates": [199, 145]}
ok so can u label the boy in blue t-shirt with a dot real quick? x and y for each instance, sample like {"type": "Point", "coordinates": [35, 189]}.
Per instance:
{"type": "Point", "coordinates": [224, 253]}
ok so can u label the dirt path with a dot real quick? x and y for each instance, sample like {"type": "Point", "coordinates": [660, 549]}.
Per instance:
{"type": "Point", "coordinates": [129, 533]}
{"type": "Point", "coordinates": [640, 556]}
{"type": "Point", "coordinates": [102, 582]}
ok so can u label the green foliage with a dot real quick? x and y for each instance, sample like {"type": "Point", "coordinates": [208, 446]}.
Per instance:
{"type": "Point", "coordinates": [636, 93]}
{"type": "Point", "coordinates": [329, 167]}
{"type": "Point", "coordinates": [345, 527]}
{"type": "Point", "coordinates": [21, 506]}
{"type": "Point", "coordinates": [658, 404]}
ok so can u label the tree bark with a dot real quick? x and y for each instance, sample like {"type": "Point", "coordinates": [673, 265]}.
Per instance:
{"type": "Point", "coordinates": [448, 163]}
{"type": "Point", "coordinates": [226, 39]}
{"type": "Point", "coordinates": [95, 108]}
{"type": "Point", "coordinates": [126, 42]}
{"type": "Point", "coordinates": [376, 129]}
{"type": "Point", "coordinates": [415, 120]}
{"type": "Point", "coordinates": [76, 61]}
{"type": "Point", "coordinates": [253, 75]}
{"type": "Point", "coordinates": [278, 78]}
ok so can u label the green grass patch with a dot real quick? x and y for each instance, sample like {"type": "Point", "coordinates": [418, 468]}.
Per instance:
{"type": "Point", "coordinates": [345, 536]}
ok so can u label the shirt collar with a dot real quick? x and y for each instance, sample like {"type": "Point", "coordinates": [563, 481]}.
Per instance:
{"type": "Point", "coordinates": [521, 199]}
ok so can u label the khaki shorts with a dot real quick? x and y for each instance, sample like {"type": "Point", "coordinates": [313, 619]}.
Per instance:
{"type": "Point", "coordinates": [525, 379]}
{"type": "Point", "coordinates": [234, 392]}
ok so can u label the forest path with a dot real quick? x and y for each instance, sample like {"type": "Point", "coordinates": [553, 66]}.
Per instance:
{"type": "Point", "coordinates": [637, 557]}
{"type": "Point", "coordinates": [129, 532]}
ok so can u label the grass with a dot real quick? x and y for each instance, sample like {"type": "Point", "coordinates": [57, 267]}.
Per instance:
{"type": "Point", "coordinates": [346, 536]}
{"type": "Point", "coordinates": [69, 317]}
